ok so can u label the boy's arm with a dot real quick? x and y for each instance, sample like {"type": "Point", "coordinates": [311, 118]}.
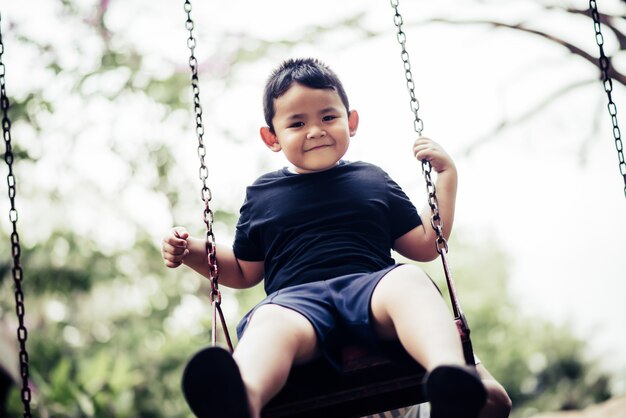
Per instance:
{"type": "Point", "coordinates": [180, 248]}
{"type": "Point", "coordinates": [419, 244]}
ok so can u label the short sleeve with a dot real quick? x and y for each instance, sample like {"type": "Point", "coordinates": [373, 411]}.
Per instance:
{"type": "Point", "coordinates": [247, 245]}
{"type": "Point", "coordinates": [404, 216]}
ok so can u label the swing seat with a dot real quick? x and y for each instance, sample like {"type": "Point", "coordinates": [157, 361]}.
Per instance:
{"type": "Point", "coordinates": [367, 383]}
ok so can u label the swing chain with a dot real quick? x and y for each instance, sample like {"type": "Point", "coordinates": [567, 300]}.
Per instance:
{"type": "Point", "coordinates": [418, 123]}
{"type": "Point", "coordinates": [435, 220]}
{"type": "Point", "coordinates": [605, 65]}
{"type": "Point", "coordinates": [22, 332]}
{"type": "Point", "coordinates": [206, 195]}
{"type": "Point", "coordinates": [418, 126]}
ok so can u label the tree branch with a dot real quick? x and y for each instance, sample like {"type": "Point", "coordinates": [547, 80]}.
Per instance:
{"type": "Point", "coordinates": [506, 124]}
{"type": "Point", "coordinates": [605, 20]}
{"type": "Point", "coordinates": [615, 75]}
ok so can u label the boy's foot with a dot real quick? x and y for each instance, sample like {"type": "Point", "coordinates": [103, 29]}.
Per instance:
{"type": "Point", "coordinates": [213, 387]}
{"type": "Point", "coordinates": [455, 392]}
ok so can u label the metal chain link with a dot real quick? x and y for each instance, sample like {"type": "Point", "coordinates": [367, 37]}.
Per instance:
{"type": "Point", "coordinates": [418, 126]}
{"type": "Point", "coordinates": [605, 65]}
{"type": "Point", "coordinates": [215, 295]}
{"type": "Point", "coordinates": [18, 274]}
{"type": "Point", "coordinates": [435, 219]}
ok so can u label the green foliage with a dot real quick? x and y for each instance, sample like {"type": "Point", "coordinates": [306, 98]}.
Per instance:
{"type": "Point", "coordinates": [106, 363]}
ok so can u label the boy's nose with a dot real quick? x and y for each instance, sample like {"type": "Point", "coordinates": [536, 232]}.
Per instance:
{"type": "Point", "coordinates": [315, 132]}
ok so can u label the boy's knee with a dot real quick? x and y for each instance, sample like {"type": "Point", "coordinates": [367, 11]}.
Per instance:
{"type": "Point", "coordinates": [400, 289]}
{"type": "Point", "coordinates": [284, 326]}
{"type": "Point", "coordinates": [276, 317]}
{"type": "Point", "coordinates": [403, 279]}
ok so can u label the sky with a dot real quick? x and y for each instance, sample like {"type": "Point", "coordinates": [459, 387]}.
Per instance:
{"type": "Point", "coordinates": [548, 190]}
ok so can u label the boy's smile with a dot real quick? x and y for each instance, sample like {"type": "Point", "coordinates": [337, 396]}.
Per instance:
{"type": "Point", "coordinates": [312, 127]}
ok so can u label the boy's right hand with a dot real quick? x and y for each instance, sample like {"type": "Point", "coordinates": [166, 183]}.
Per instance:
{"type": "Point", "coordinates": [174, 247]}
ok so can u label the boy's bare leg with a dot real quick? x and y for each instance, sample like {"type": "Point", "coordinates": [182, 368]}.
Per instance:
{"type": "Point", "coordinates": [275, 339]}
{"type": "Point", "coordinates": [406, 305]}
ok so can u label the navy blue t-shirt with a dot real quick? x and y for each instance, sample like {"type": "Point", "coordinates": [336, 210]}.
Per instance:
{"type": "Point", "coordinates": [311, 227]}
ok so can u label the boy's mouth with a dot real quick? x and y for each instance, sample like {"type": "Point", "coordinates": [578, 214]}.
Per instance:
{"type": "Point", "coordinates": [317, 146]}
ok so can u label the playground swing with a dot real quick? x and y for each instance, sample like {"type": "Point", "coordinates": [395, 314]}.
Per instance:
{"type": "Point", "coordinates": [367, 383]}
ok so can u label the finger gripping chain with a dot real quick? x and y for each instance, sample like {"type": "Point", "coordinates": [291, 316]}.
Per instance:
{"type": "Point", "coordinates": [205, 192]}
{"type": "Point", "coordinates": [435, 220]}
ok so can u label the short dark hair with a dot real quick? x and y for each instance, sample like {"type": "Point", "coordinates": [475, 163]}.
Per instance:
{"type": "Point", "coordinates": [309, 72]}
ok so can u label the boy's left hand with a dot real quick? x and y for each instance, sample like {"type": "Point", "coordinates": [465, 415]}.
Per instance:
{"type": "Point", "coordinates": [427, 149]}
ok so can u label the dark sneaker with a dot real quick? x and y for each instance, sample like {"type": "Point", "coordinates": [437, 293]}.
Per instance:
{"type": "Point", "coordinates": [455, 392]}
{"type": "Point", "coordinates": [213, 387]}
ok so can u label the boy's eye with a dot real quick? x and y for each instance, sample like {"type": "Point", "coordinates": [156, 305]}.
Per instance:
{"type": "Point", "coordinates": [328, 118]}
{"type": "Point", "coordinates": [296, 125]}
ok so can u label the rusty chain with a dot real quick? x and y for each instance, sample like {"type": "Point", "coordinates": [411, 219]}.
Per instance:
{"type": "Point", "coordinates": [18, 273]}
{"type": "Point", "coordinates": [206, 195]}
{"type": "Point", "coordinates": [418, 126]}
{"type": "Point", "coordinates": [605, 65]}
{"type": "Point", "coordinates": [435, 219]}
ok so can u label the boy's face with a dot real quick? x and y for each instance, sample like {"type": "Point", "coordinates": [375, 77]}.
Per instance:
{"type": "Point", "coordinates": [311, 127]}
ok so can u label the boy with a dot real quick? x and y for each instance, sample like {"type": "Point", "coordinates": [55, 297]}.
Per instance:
{"type": "Point", "coordinates": [320, 233]}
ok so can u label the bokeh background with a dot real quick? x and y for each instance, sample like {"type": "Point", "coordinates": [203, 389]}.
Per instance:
{"type": "Point", "coordinates": [106, 162]}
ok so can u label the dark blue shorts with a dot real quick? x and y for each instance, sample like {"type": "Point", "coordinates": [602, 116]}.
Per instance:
{"type": "Point", "coordinates": [338, 309]}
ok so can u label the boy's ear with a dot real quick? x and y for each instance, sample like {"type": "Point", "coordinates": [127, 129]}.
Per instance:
{"type": "Point", "coordinates": [270, 139]}
{"type": "Point", "coordinates": [353, 122]}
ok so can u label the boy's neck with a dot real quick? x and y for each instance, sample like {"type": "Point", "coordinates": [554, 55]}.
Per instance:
{"type": "Point", "coordinates": [292, 169]}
